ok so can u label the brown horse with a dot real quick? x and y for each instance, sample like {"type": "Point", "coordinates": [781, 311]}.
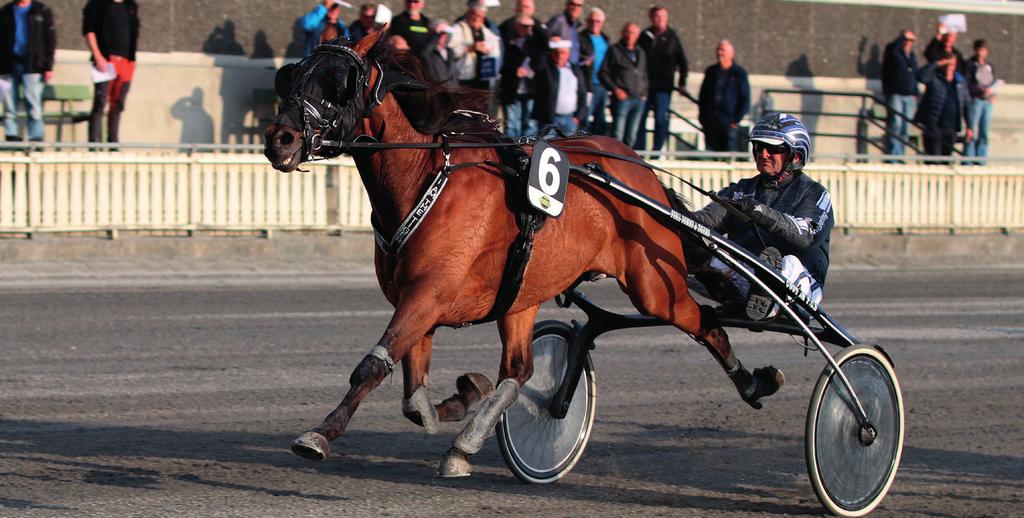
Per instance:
{"type": "Point", "coordinates": [450, 270]}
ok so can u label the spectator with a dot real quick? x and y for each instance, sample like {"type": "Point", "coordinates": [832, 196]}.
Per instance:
{"type": "Point", "coordinates": [524, 8]}
{"type": "Point", "coordinates": [665, 55]}
{"type": "Point", "coordinates": [624, 74]}
{"type": "Point", "coordinates": [981, 80]}
{"type": "Point", "coordinates": [325, 14]}
{"type": "Point", "coordinates": [475, 48]}
{"type": "Point", "coordinates": [566, 25]}
{"type": "Point", "coordinates": [438, 58]}
{"type": "Point", "coordinates": [899, 85]}
{"type": "Point", "coordinates": [28, 38]}
{"type": "Point", "coordinates": [111, 30]}
{"type": "Point", "coordinates": [560, 94]}
{"type": "Point", "coordinates": [724, 99]}
{"type": "Point", "coordinates": [945, 107]}
{"type": "Point", "coordinates": [487, 21]}
{"type": "Point", "coordinates": [413, 26]}
{"type": "Point", "coordinates": [516, 86]}
{"type": "Point", "coordinates": [942, 43]}
{"type": "Point", "coordinates": [366, 24]}
{"type": "Point", "coordinates": [593, 48]}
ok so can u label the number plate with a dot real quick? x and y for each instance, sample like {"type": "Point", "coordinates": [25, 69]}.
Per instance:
{"type": "Point", "coordinates": [549, 178]}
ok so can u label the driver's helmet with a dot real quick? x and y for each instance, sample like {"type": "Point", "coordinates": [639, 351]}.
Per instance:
{"type": "Point", "coordinates": [782, 128]}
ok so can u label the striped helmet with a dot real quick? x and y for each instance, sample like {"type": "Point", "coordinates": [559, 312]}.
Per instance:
{"type": "Point", "coordinates": [782, 128]}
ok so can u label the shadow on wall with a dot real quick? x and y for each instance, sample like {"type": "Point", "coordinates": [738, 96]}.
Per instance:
{"type": "Point", "coordinates": [196, 124]}
{"type": "Point", "coordinates": [297, 47]}
{"type": "Point", "coordinates": [237, 83]}
{"type": "Point", "coordinates": [801, 76]}
{"type": "Point", "coordinates": [871, 67]}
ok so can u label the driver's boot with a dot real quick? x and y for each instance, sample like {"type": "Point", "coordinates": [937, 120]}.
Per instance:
{"type": "Point", "coordinates": [764, 382]}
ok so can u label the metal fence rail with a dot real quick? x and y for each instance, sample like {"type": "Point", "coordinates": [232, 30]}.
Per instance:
{"type": "Point", "coordinates": [62, 191]}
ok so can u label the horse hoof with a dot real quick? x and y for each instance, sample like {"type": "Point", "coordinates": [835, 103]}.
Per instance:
{"type": "Point", "coordinates": [312, 446]}
{"type": "Point", "coordinates": [455, 465]}
{"type": "Point", "coordinates": [474, 386]}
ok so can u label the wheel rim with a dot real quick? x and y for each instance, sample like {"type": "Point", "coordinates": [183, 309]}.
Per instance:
{"type": "Point", "coordinates": [854, 475]}
{"type": "Point", "coordinates": [542, 445]}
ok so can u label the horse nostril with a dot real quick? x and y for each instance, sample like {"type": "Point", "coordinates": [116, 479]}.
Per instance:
{"type": "Point", "coordinates": [285, 138]}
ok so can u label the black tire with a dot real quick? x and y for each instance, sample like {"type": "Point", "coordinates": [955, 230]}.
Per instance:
{"type": "Point", "coordinates": [538, 448]}
{"type": "Point", "coordinates": [851, 478]}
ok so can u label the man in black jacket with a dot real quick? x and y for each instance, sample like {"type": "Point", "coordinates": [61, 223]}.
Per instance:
{"type": "Point", "coordinates": [899, 85]}
{"type": "Point", "coordinates": [515, 88]}
{"type": "Point", "coordinates": [111, 30]}
{"type": "Point", "coordinates": [665, 55]}
{"type": "Point", "coordinates": [28, 39]}
{"type": "Point", "coordinates": [724, 99]}
{"type": "Point", "coordinates": [624, 74]}
{"type": "Point", "coordinates": [559, 90]}
{"type": "Point", "coordinates": [946, 106]}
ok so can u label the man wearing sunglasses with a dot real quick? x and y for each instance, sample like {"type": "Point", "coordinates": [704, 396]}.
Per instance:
{"type": "Point", "coordinates": [790, 219]}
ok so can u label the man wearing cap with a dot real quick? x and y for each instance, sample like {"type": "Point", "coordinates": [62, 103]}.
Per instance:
{"type": "Point", "coordinates": [326, 13]}
{"type": "Point", "coordinates": [516, 84]}
{"type": "Point", "coordinates": [413, 26]}
{"type": "Point", "coordinates": [475, 48]}
{"type": "Point", "coordinates": [560, 93]}
{"type": "Point", "coordinates": [566, 25]}
{"type": "Point", "coordinates": [624, 74]}
{"type": "Point", "coordinates": [899, 85]}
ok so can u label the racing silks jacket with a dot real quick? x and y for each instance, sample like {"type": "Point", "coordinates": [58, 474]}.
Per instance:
{"type": "Point", "coordinates": [795, 217]}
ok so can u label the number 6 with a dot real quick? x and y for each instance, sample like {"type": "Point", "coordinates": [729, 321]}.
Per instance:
{"type": "Point", "coordinates": [550, 178]}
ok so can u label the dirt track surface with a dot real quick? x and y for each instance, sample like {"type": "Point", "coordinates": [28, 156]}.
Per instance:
{"type": "Point", "coordinates": [180, 396]}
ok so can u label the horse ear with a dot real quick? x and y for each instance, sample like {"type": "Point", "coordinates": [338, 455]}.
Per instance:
{"type": "Point", "coordinates": [364, 45]}
{"type": "Point", "coordinates": [330, 32]}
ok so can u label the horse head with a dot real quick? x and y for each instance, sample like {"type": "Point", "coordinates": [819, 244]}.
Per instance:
{"type": "Point", "coordinates": [326, 97]}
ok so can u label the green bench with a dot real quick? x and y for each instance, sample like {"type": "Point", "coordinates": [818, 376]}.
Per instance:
{"type": "Point", "coordinates": [66, 96]}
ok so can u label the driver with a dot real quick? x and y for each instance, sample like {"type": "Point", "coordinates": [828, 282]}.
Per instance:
{"type": "Point", "coordinates": [790, 220]}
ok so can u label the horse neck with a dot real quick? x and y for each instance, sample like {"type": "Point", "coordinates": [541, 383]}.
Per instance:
{"type": "Point", "coordinates": [394, 178]}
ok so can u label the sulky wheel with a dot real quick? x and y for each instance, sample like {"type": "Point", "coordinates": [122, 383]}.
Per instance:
{"type": "Point", "coordinates": [851, 468]}
{"type": "Point", "coordinates": [537, 447]}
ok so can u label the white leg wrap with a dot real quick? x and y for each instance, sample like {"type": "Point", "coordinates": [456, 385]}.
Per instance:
{"type": "Point", "coordinates": [419, 403]}
{"type": "Point", "coordinates": [481, 426]}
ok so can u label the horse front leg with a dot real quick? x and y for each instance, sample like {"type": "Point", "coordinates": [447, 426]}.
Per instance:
{"type": "Point", "coordinates": [516, 368]}
{"type": "Point", "coordinates": [415, 317]}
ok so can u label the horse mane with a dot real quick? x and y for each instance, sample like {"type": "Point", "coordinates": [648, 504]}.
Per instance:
{"type": "Point", "coordinates": [430, 110]}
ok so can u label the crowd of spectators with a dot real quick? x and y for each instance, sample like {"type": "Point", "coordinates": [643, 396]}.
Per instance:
{"type": "Point", "coordinates": [566, 72]}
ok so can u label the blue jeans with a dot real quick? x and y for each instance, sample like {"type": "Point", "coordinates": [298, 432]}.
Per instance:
{"type": "Point", "coordinates": [31, 87]}
{"type": "Point", "coordinates": [899, 127]}
{"type": "Point", "coordinates": [626, 119]}
{"type": "Point", "coordinates": [981, 118]}
{"type": "Point", "coordinates": [517, 117]}
{"type": "Point", "coordinates": [597, 123]}
{"type": "Point", "coordinates": [659, 102]}
{"type": "Point", "coordinates": [565, 123]}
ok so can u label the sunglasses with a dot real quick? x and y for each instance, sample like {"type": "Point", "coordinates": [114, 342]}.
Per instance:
{"type": "Point", "coordinates": [772, 150]}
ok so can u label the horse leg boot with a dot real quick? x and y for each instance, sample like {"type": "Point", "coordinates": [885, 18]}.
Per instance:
{"type": "Point", "coordinates": [516, 332]}
{"type": "Point", "coordinates": [316, 443]}
{"type": "Point", "coordinates": [764, 381]}
{"type": "Point", "coordinates": [478, 429]}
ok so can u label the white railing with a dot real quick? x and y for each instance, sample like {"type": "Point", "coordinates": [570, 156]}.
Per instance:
{"type": "Point", "coordinates": [62, 191]}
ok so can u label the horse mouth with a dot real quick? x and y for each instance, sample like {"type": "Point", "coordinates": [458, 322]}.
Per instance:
{"type": "Point", "coordinates": [288, 164]}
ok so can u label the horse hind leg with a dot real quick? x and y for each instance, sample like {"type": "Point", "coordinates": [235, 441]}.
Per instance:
{"type": "Point", "coordinates": [416, 406]}
{"type": "Point", "coordinates": [516, 368]}
{"type": "Point", "coordinates": [763, 382]}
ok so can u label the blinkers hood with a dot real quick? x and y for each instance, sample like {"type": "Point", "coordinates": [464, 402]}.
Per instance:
{"type": "Point", "coordinates": [323, 98]}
